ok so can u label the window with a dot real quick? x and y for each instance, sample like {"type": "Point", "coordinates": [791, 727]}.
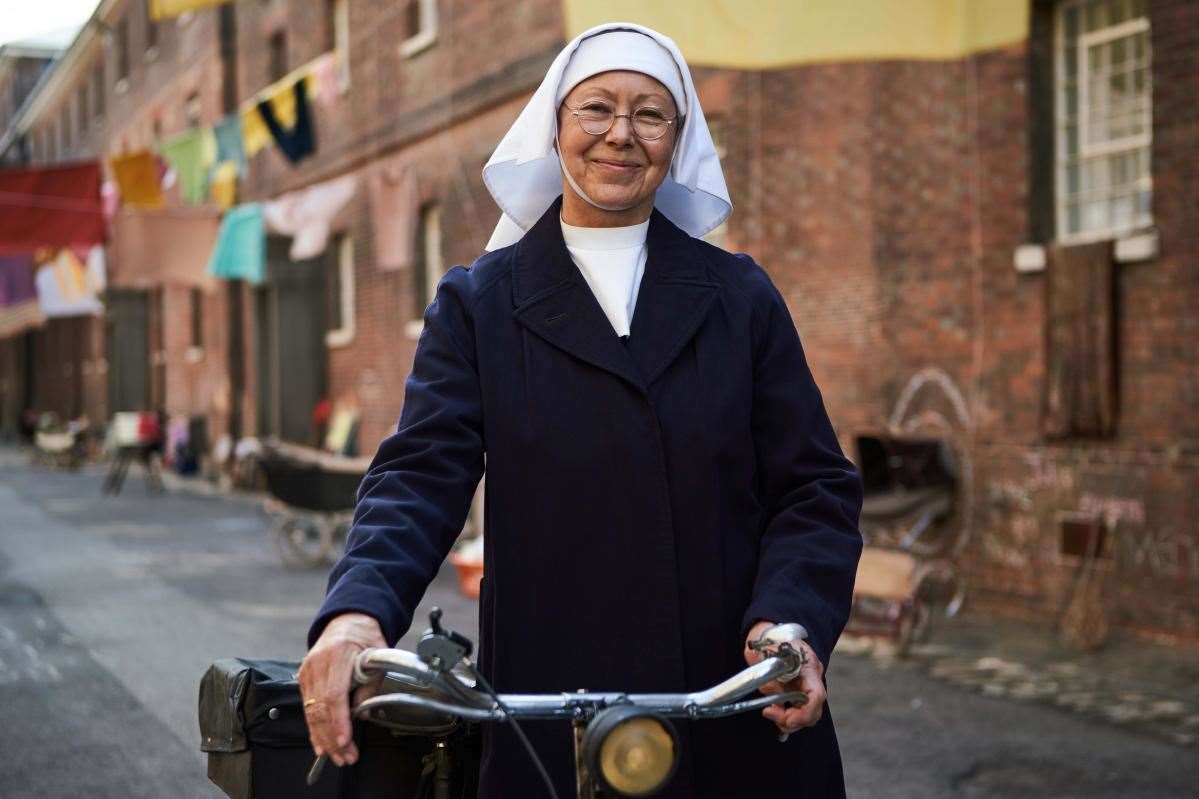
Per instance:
{"type": "Point", "coordinates": [193, 110]}
{"type": "Point", "coordinates": [278, 55]}
{"type": "Point", "coordinates": [81, 109]}
{"type": "Point", "coordinates": [151, 37]}
{"type": "Point", "coordinates": [122, 46]}
{"type": "Point", "coordinates": [1104, 118]}
{"type": "Point", "coordinates": [430, 266]}
{"type": "Point", "coordinates": [98, 90]}
{"type": "Point", "coordinates": [421, 19]}
{"type": "Point", "coordinates": [197, 305]}
{"type": "Point", "coordinates": [339, 311]}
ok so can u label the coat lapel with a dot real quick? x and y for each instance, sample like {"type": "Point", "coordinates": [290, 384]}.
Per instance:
{"type": "Point", "coordinates": [554, 301]}
{"type": "Point", "coordinates": [673, 300]}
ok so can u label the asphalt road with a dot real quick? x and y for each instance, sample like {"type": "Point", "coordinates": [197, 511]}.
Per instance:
{"type": "Point", "coordinates": [112, 608]}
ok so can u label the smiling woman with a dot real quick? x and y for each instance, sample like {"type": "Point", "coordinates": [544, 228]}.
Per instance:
{"type": "Point", "coordinates": [612, 170]}
{"type": "Point", "coordinates": [662, 477]}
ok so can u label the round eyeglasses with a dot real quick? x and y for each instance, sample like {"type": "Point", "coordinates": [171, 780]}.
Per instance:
{"type": "Point", "coordinates": [648, 123]}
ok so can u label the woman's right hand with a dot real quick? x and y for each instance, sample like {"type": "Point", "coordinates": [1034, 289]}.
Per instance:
{"type": "Point", "coordinates": [326, 675]}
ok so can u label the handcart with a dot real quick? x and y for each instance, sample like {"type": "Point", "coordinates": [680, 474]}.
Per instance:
{"type": "Point", "coordinates": [312, 496]}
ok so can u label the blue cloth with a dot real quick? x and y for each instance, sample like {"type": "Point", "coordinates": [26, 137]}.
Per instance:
{"type": "Point", "coordinates": [299, 142]}
{"type": "Point", "coordinates": [646, 502]}
{"type": "Point", "coordinates": [240, 250]}
{"type": "Point", "coordinates": [229, 143]}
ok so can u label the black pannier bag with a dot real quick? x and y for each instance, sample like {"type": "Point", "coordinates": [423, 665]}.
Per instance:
{"type": "Point", "coordinates": [252, 728]}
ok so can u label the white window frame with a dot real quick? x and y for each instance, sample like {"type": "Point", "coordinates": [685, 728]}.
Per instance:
{"type": "Point", "coordinates": [1088, 40]}
{"type": "Point", "coordinates": [435, 268]}
{"type": "Point", "coordinates": [1086, 151]}
{"type": "Point", "coordinates": [427, 35]}
{"type": "Point", "coordinates": [341, 43]}
{"type": "Point", "coordinates": [345, 267]}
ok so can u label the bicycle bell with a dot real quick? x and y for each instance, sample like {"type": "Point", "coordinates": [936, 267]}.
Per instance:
{"type": "Point", "coordinates": [630, 750]}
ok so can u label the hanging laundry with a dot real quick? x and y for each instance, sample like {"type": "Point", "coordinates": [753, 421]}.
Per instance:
{"type": "Point", "coordinates": [191, 155]}
{"type": "Point", "coordinates": [327, 75]}
{"type": "Point", "coordinates": [19, 309]}
{"type": "Point", "coordinates": [299, 140]}
{"type": "Point", "coordinates": [281, 96]}
{"type": "Point", "coordinates": [54, 206]}
{"type": "Point", "coordinates": [395, 212]}
{"type": "Point", "coordinates": [240, 250]}
{"type": "Point", "coordinates": [70, 282]}
{"type": "Point", "coordinates": [308, 214]}
{"type": "Point", "coordinates": [138, 178]}
{"type": "Point", "coordinates": [170, 247]}
{"type": "Point", "coordinates": [224, 185]}
{"type": "Point", "coordinates": [229, 146]}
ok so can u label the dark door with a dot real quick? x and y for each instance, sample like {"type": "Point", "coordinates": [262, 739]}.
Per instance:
{"type": "Point", "coordinates": [127, 325]}
{"type": "Point", "coordinates": [292, 338]}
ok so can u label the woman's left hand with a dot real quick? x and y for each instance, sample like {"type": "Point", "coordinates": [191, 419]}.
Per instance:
{"type": "Point", "coordinates": [810, 681]}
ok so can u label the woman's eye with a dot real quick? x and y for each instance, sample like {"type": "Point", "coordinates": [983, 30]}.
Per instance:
{"type": "Point", "coordinates": [651, 114]}
{"type": "Point", "coordinates": [596, 108]}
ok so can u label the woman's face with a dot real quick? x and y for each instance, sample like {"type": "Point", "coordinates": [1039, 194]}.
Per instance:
{"type": "Point", "coordinates": [616, 169]}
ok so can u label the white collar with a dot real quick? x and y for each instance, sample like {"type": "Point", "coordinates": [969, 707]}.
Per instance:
{"type": "Point", "coordinates": [604, 238]}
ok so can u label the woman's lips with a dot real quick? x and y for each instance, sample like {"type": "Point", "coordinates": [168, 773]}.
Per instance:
{"type": "Point", "coordinates": [617, 166]}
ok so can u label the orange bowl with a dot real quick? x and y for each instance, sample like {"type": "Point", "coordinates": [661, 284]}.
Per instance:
{"type": "Point", "coordinates": [470, 575]}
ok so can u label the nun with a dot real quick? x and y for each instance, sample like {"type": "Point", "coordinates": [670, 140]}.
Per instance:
{"type": "Point", "coordinates": [663, 481]}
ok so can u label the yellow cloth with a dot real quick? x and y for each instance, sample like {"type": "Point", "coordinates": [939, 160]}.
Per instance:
{"type": "Point", "coordinates": [766, 34]}
{"type": "Point", "coordinates": [224, 185]}
{"type": "Point", "coordinates": [254, 132]}
{"type": "Point", "coordinates": [165, 9]}
{"type": "Point", "coordinates": [74, 282]}
{"type": "Point", "coordinates": [137, 176]}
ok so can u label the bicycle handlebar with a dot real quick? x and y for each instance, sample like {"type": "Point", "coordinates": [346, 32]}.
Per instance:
{"type": "Point", "coordinates": [459, 697]}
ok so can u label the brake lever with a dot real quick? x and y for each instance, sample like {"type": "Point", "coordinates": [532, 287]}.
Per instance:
{"type": "Point", "coordinates": [314, 771]}
{"type": "Point", "coordinates": [441, 648]}
{"type": "Point", "coordinates": [776, 641]}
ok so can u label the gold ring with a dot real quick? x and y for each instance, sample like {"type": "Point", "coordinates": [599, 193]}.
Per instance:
{"type": "Point", "coordinates": [310, 702]}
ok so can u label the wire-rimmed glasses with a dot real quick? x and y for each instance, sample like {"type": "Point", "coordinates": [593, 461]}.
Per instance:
{"type": "Point", "coordinates": [648, 123]}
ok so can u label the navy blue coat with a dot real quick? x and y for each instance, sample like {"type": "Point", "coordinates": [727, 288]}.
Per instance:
{"type": "Point", "coordinates": [646, 501]}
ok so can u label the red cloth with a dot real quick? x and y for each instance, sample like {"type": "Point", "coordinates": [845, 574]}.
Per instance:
{"type": "Point", "coordinates": [50, 207]}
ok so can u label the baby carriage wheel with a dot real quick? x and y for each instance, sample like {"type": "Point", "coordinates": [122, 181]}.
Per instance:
{"type": "Point", "coordinates": [303, 543]}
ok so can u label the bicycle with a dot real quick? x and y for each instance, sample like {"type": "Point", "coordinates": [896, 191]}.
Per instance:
{"type": "Point", "coordinates": [624, 744]}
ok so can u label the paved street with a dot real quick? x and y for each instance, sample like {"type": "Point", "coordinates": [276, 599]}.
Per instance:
{"type": "Point", "coordinates": [111, 608]}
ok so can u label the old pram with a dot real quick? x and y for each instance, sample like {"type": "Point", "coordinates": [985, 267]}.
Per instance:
{"type": "Point", "coordinates": [910, 523]}
{"type": "Point", "coordinates": [312, 496]}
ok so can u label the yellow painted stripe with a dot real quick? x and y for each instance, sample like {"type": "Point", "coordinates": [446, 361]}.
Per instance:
{"type": "Point", "coordinates": [765, 34]}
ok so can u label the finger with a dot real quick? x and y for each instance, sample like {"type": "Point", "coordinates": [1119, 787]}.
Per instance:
{"type": "Point", "coordinates": [810, 712]}
{"type": "Point", "coordinates": [326, 709]}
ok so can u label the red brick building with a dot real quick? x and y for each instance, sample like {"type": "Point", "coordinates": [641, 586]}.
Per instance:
{"type": "Point", "coordinates": [931, 221]}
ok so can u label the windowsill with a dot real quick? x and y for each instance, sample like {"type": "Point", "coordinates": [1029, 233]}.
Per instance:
{"type": "Point", "coordinates": [418, 43]}
{"type": "Point", "coordinates": [121, 86]}
{"type": "Point", "coordinates": [194, 354]}
{"type": "Point", "coordinates": [1130, 248]}
{"type": "Point", "coordinates": [413, 328]}
{"type": "Point", "coordinates": [335, 339]}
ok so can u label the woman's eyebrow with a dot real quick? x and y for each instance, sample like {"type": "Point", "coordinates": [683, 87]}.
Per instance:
{"type": "Point", "coordinates": [654, 94]}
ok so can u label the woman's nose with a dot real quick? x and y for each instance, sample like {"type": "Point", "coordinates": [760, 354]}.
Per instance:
{"type": "Point", "coordinates": [621, 130]}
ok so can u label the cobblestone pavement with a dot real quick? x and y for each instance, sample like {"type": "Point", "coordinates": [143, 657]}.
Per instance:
{"type": "Point", "coordinates": [1132, 683]}
{"type": "Point", "coordinates": [112, 607]}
